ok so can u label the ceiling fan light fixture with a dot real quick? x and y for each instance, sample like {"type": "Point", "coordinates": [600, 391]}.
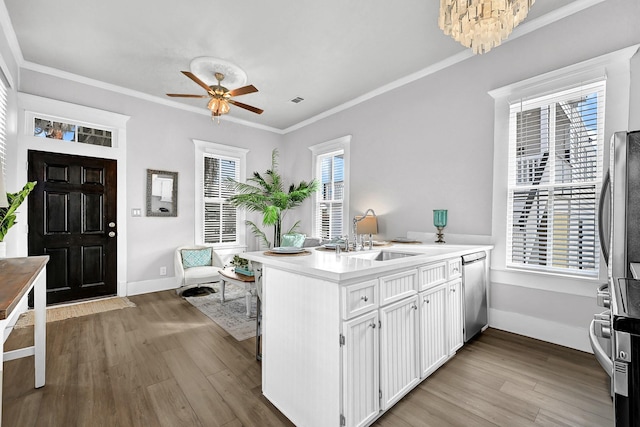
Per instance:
{"type": "Point", "coordinates": [481, 24]}
{"type": "Point", "coordinates": [218, 106]}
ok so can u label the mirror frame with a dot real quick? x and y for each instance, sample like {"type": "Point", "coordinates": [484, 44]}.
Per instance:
{"type": "Point", "coordinates": [173, 210]}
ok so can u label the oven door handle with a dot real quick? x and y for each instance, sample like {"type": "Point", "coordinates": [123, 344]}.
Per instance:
{"type": "Point", "coordinates": [601, 355]}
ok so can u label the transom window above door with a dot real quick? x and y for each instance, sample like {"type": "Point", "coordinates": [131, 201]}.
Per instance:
{"type": "Point", "coordinates": [69, 131]}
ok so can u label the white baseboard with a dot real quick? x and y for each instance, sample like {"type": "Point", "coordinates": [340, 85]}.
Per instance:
{"type": "Point", "coordinates": [148, 286]}
{"type": "Point", "coordinates": [533, 327]}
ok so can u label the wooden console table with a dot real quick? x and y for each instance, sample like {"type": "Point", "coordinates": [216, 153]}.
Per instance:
{"type": "Point", "coordinates": [246, 282]}
{"type": "Point", "coordinates": [17, 277]}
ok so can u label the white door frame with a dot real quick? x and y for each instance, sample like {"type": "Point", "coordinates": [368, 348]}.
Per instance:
{"type": "Point", "coordinates": [30, 105]}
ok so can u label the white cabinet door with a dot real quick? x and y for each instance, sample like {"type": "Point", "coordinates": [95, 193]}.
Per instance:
{"type": "Point", "coordinates": [433, 329]}
{"type": "Point", "coordinates": [455, 321]}
{"type": "Point", "coordinates": [360, 370]}
{"type": "Point", "coordinates": [398, 350]}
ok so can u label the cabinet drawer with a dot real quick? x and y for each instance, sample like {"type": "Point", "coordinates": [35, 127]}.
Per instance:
{"type": "Point", "coordinates": [454, 267]}
{"type": "Point", "coordinates": [359, 298]}
{"type": "Point", "coordinates": [432, 274]}
{"type": "Point", "coordinates": [397, 286]}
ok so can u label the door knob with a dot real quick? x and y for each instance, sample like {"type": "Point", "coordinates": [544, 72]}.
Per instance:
{"type": "Point", "coordinates": [112, 234]}
{"type": "Point", "coordinates": [112, 224]}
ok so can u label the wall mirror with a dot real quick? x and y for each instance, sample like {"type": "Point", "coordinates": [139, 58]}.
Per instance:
{"type": "Point", "coordinates": [162, 193]}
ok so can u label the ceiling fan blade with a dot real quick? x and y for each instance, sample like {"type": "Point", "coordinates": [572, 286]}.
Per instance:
{"type": "Point", "coordinates": [185, 95]}
{"type": "Point", "coordinates": [197, 80]}
{"type": "Point", "coordinates": [245, 106]}
{"type": "Point", "coordinates": [243, 90]}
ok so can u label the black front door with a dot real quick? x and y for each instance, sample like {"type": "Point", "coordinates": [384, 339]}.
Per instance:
{"type": "Point", "coordinates": [72, 218]}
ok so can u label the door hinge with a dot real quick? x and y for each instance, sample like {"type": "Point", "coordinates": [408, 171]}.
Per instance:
{"type": "Point", "coordinates": [343, 420]}
{"type": "Point", "coordinates": [342, 340]}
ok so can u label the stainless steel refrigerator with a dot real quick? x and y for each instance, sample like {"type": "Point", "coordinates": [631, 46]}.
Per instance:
{"type": "Point", "coordinates": [615, 333]}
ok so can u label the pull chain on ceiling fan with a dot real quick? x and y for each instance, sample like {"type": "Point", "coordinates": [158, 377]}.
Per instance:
{"type": "Point", "coordinates": [220, 96]}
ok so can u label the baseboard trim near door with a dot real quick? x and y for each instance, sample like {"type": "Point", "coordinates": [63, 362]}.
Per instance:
{"type": "Point", "coordinates": [541, 329]}
{"type": "Point", "coordinates": [148, 286]}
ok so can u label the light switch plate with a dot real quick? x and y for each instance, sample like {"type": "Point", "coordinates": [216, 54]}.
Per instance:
{"type": "Point", "coordinates": [136, 212]}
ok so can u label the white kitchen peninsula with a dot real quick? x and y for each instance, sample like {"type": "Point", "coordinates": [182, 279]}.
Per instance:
{"type": "Point", "coordinates": [345, 337]}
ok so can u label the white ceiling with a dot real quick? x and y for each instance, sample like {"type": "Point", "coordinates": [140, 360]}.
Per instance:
{"type": "Point", "coordinates": [330, 52]}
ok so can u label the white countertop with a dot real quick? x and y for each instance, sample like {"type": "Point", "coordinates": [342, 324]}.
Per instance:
{"type": "Point", "coordinates": [354, 265]}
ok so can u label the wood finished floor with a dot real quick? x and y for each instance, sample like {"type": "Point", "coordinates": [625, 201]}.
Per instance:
{"type": "Point", "coordinates": [163, 363]}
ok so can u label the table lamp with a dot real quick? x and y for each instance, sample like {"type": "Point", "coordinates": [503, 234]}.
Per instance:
{"type": "Point", "coordinates": [440, 222]}
{"type": "Point", "coordinates": [366, 224]}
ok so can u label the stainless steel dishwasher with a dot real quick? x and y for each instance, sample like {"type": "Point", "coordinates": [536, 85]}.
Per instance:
{"type": "Point", "coordinates": [474, 285]}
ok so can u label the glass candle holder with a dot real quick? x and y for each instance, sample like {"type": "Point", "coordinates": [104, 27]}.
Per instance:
{"type": "Point", "coordinates": [440, 222]}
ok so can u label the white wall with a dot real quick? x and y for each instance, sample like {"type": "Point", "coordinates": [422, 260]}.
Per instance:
{"type": "Point", "coordinates": [158, 137]}
{"type": "Point", "coordinates": [429, 145]}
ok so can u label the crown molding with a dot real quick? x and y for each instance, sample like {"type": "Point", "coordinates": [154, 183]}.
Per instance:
{"type": "Point", "coordinates": [136, 94]}
{"type": "Point", "coordinates": [521, 30]}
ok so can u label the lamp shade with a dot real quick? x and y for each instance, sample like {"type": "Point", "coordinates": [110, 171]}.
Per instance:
{"type": "Point", "coordinates": [367, 225]}
{"type": "Point", "coordinates": [4, 203]}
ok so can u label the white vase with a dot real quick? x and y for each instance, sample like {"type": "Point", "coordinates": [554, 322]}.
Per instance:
{"type": "Point", "coordinates": [3, 249]}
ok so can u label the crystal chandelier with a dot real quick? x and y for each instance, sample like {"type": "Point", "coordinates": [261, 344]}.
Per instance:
{"type": "Point", "coordinates": [481, 24]}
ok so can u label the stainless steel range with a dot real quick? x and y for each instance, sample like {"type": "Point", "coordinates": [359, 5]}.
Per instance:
{"type": "Point", "coordinates": [615, 333]}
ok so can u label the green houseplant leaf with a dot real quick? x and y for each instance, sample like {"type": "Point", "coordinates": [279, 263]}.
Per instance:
{"type": "Point", "coordinates": [265, 193]}
{"type": "Point", "coordinates": [7, 215]}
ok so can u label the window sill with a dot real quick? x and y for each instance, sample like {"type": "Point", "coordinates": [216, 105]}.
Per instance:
{"type": "Point", "coordinates": [586, 286]}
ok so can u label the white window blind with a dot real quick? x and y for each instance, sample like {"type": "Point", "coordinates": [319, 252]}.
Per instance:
{"type": "Point", "coordinates": [330, 198]}
{"type": "Point", "coordinates": [3, 121]}
{"type": "Point", "coordinates": [555, 175]}
{"type": "Point", "coordinates": [220, 218]}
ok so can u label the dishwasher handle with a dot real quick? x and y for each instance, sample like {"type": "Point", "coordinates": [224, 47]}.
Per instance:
{"type": "Point", "coordinates": [474, 257]}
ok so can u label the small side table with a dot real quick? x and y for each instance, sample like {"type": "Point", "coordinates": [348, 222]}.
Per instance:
{"type": "Point", "coordinates": [246, 282]}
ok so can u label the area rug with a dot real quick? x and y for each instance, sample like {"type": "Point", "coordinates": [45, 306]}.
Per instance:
{"type": "Point", "coordinates": [84, 308]}
{"type": "Point", "coordinates": [230, 315]}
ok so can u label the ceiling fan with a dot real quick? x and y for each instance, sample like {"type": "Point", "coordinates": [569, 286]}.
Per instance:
{"type": "Point", "coordinates": [220, 95]}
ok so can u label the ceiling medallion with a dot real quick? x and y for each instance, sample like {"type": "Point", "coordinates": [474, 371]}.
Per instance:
{"type": "Point", "coordinates": [206, 67]}
{"type": "Point", "coordinates": [481, 24]}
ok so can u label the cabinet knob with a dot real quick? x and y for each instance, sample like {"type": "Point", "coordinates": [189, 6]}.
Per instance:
{"type": "Point", "coordinates": [426, 300]}
{"type": "Point", "coordinates": [414, 307]}
{"type": "Point", "coordinates": [373, 325]}
{"type": "Point", "coordinates": [364, 298]}
{"type": "Point", "coordinates": [453, 290]}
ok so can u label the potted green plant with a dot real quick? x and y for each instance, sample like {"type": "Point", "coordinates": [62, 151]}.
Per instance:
{"type": "Point", "coordinates": [266, 194]}
{"type": "Point", "coordinates": [8, 215]}
{"type": "Point", "coordinates": [241, 265]}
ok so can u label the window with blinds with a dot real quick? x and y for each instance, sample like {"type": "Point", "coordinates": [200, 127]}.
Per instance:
{"type": "Point", "coordinates": [555, 175]}
{"type": "Point", "coordinates": [330, 197]}
{"type": "Point", "coordinates": [220, 218]}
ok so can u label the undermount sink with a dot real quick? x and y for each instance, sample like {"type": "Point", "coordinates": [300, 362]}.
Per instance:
{"type": "Point", "coordinates": [383, 255]}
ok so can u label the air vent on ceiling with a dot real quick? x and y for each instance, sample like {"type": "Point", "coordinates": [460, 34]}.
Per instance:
{"type": "Point", "coordinates": [297, 100]}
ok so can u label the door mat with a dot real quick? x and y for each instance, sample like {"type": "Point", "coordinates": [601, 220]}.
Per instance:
{"type": "Point", "coordinates": [79, 309]}
{"type": "Point", "coordinates": [230, 315]}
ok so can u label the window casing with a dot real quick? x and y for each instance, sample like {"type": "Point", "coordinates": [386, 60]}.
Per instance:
{"type": "Point", "coordinates": [330, 164]}
{"type": "Point", "coordinates": [217, 223]}
{"type": "Point", "coordinates": [554, 180]}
